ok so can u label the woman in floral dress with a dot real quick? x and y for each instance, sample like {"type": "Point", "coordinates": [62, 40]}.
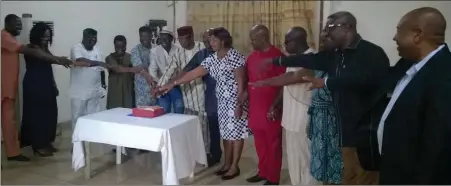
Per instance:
{"type": "Point", "coordinates": [226, 66]}
{"type": "Point", "coordinates": [326, 163]}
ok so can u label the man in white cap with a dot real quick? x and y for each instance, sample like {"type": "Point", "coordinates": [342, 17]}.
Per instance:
{"type": "Point", "coordinates": [164, 64]}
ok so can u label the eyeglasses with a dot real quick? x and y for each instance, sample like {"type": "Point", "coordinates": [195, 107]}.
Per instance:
{"type": "Point", "coordinates": [330, 27]}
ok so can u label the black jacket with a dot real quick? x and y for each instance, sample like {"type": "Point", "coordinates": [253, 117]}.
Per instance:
{"type": "Point", "coordinates": [416, 147]}
{"type": "Point", "coordinates": [349, 72]}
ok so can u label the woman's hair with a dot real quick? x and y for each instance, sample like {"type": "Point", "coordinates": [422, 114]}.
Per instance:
{"type": "Point", "coordinates": [120, 38]}
{"type": "Point", "coordinates": [37, 32]}
{"type": "Point", "coordinates": [223, 35]}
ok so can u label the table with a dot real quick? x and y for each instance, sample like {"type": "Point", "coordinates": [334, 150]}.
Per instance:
{"type": "Point", "coordinates": [178, 137]}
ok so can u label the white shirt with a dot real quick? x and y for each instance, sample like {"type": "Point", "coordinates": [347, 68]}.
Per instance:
{"type": "Point", "coordinates": [399, 89]}
{"type": "Point", "coordinates": [85, 82]}
{"type": "Point", "coordinates": [166, 63]}
{"type": "Point", "coordinates": [296, 101]}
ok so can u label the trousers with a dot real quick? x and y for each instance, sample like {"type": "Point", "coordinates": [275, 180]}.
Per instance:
{"type": "Point", "coordinates": [215, 138]}
{"type": "Point", "coordinates": [81, 108]}
{"type": "Point", "coordinates": [268, 144]}
{"type": "Point", "coordinates": [172, 101]}
{"type": "Point", "coordinates": [9, 129]}
{"type": "Point", "coordinates": [353, 173]}
{"type": "Point", "coordinates": [298, 156]}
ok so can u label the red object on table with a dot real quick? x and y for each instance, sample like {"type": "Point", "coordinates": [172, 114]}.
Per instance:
{"type": "Point", "coordinates": [148, 111]}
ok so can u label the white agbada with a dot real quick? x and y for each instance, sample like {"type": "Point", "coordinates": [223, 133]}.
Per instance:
{"type": "Point", "coordinates": [296, 101]}
{"type": "Point", "coordinates": [85, 88]}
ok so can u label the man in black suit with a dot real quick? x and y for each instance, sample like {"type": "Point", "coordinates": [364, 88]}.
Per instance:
{"type": "Point", "coordinates": [414, 133]}
{"type": "Point", "coordinates": [350, 57]}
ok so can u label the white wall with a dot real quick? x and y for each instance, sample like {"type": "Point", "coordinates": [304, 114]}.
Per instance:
{"type": "Point", "coordinates": [377, 20]}
{"type": "Point", "coordinates": [109, 18]}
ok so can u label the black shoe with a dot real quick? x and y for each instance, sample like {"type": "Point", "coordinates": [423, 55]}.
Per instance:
{"type": "Point", "coordinates": [229, 177]}
{"type": "Point", "coordinates": [42, 152]}
{"type": "Point", "coordinates": [18, 158]}
{"type": "Point", "coordinates": [255, 179]}
{"type": "Point", "coordinates": [271, 183]}
{"type": "Point", "coordinates": [221, 172]}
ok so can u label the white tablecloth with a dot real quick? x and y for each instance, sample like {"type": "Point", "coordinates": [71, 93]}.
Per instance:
{"type": "Point", "coordinates": [178, 137]}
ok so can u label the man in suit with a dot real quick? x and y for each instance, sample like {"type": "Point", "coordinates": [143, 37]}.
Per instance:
{"type": "Point", "coordinates": [414, 133]}
{"type": "Point", "coordinates": [350, 57]}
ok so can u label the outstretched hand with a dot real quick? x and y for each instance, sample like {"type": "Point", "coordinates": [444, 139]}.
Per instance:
{"type": "Point", "coordinates": [315, 82]}
{"type": "Point", "coordinates": [165, 88]}
{"type": "Point", "coordinates": [63, 61]}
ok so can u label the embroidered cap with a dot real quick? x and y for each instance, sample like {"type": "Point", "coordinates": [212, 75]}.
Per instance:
{"type": "Point", "coordinates": [185, 30]}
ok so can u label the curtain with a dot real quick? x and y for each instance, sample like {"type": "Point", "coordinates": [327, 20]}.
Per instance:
{"type": "Point", "coordinates": [238, 17]}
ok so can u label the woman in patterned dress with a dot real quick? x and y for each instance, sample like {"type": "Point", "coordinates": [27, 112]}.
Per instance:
{"type": "Point", "coordinates": [140, 56]}
{"type": "Point", "coordinates": [226, 66]}
{"type": "Point", "coordinates": [326, 163]}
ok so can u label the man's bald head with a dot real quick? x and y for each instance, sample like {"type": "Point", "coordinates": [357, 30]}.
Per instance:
{"type": "Point", "coordinates": [259, 36]}
{"type": "Point", "coordinates": [206, 37]}
{"type": "Point", "coordinates": [298, 34]}
{"type": "Point", "coordinates": [431, 22]}
{"type": "Point", "coordinates": [296, 40]}
{"type": "Point", "coordinates": [420, 31]}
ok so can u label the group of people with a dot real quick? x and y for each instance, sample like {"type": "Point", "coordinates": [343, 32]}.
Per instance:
{"type": "Point", "coordinates": [345, 131]}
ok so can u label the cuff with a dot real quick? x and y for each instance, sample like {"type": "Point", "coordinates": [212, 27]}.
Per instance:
{"type": "Point", "coordinates": [277, 61]}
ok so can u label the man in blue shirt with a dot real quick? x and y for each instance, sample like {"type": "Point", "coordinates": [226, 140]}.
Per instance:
{"type": "Point", "coordinates": [210, 100]}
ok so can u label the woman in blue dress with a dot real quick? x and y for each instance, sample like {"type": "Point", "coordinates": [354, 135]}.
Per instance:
{"type": "Point", "coordinates": [326, 163]}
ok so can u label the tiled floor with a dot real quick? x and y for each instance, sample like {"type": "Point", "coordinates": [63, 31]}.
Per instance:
{"type": "Point", "coordinates": [138, 169]}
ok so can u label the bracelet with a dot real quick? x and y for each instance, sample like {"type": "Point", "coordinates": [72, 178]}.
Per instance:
{"type": "Point", "coordinates": [280, 61]}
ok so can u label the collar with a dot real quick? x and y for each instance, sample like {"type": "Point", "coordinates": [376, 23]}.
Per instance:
{"type": "Point", "coordinates": [355, 42]}
{"type": "Point", "coordinates": [231, 50]}
{"type": "Point", "coordinates": [414, 69]}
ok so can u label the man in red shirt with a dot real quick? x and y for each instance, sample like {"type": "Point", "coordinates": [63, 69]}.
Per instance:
{"type": "Point", "coordinates": [264, 121]}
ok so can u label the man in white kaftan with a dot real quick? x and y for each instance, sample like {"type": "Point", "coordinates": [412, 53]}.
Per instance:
{"type": "Point", "coordinates": [85, 89]}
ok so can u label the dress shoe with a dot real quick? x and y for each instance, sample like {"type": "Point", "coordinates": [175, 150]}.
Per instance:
{"type": "Point", "coordinates": [221, 172]}
{"type": "Point", "coordinates": [42, 152]}
{"type": "Point", "coordinates": [255, 179]}
{"type": "Point", "coordinates": [19, 157]}
{"type": "Point", "coordinates": [271, 183]}
{"type": "Point", "coordinates": [229, 177]}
